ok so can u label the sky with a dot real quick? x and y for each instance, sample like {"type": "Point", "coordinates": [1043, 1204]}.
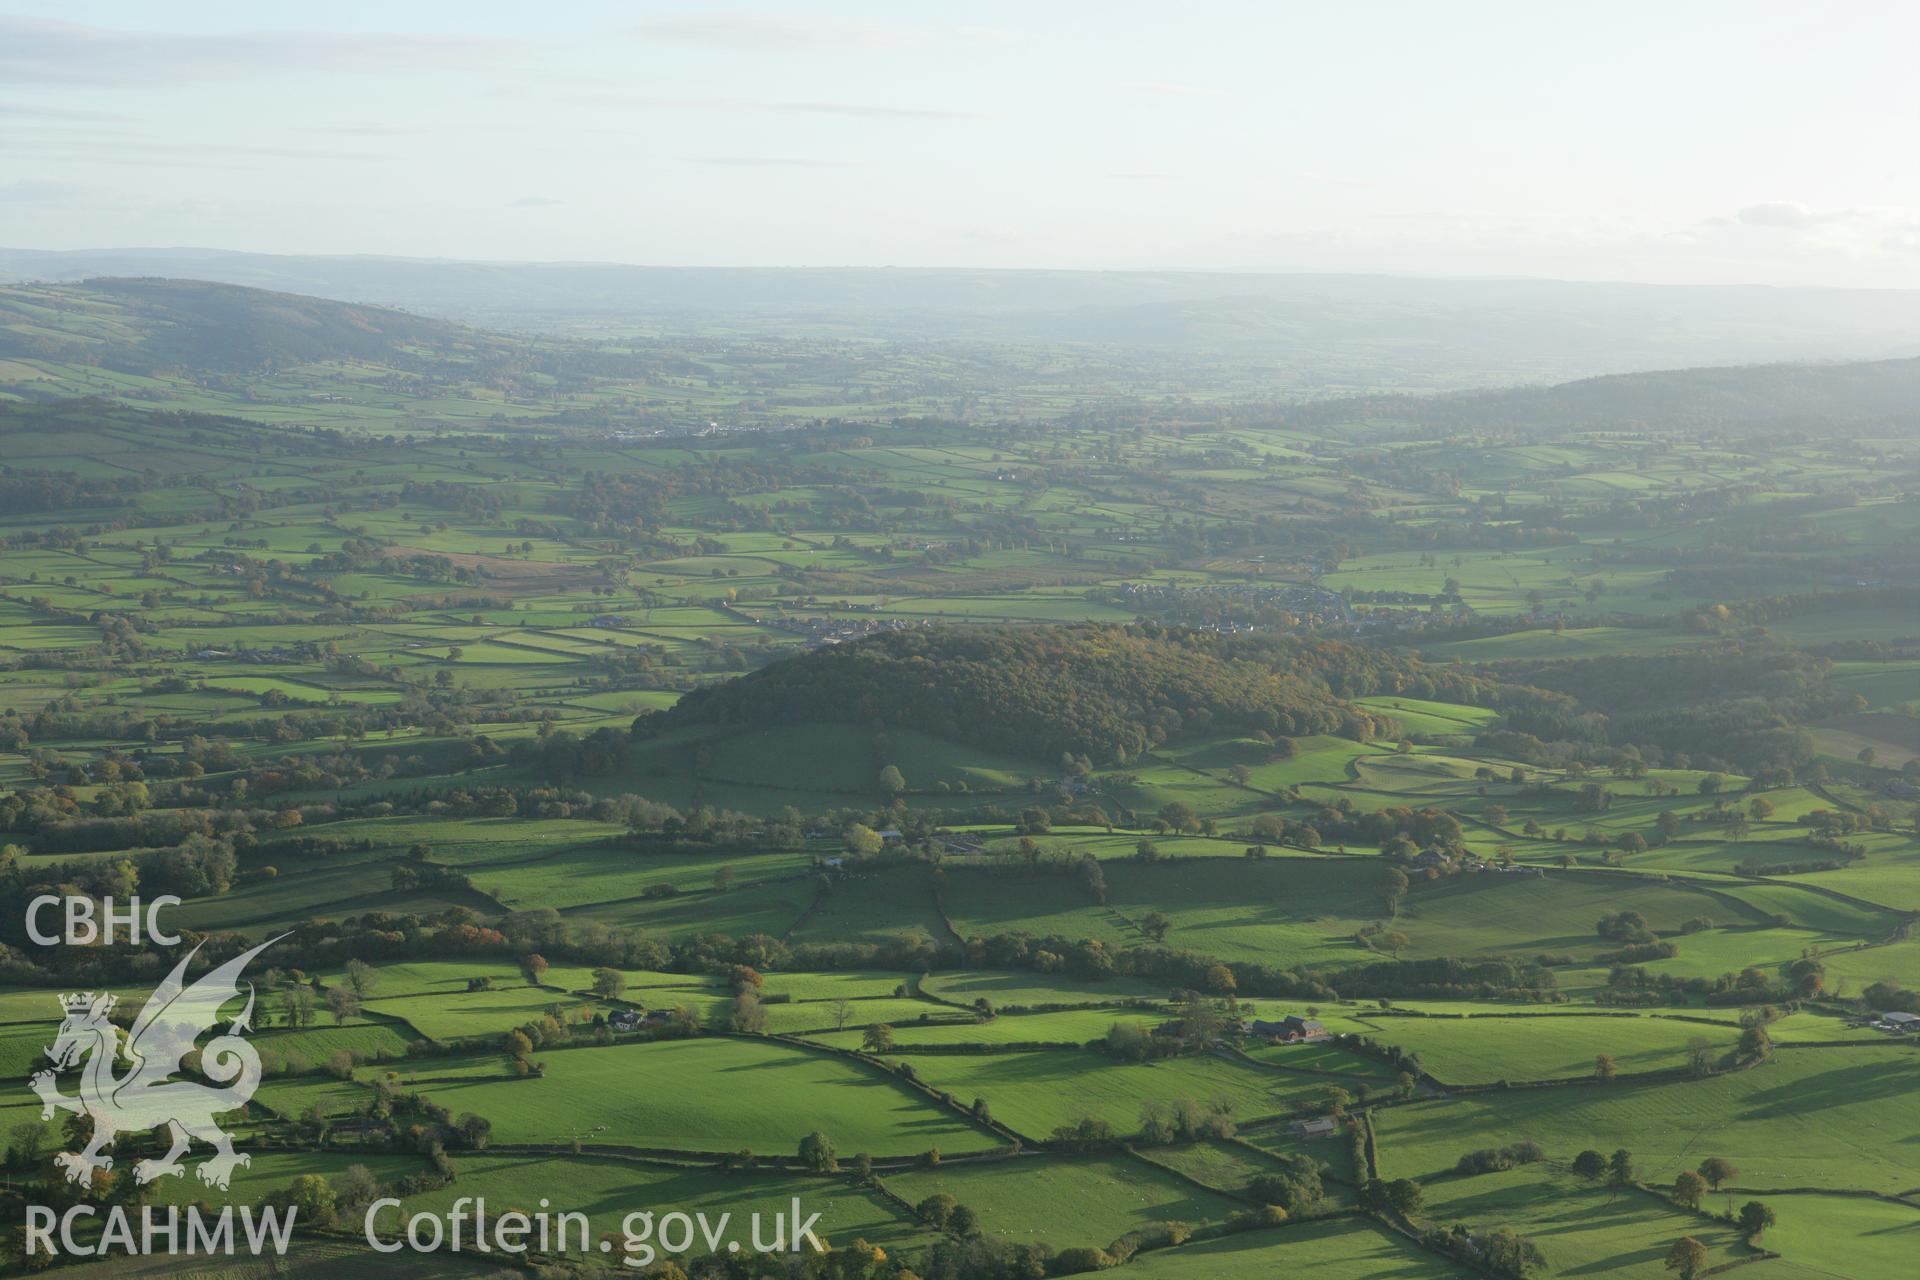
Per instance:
{"type": "Point", "coordinates": [1673, 142]}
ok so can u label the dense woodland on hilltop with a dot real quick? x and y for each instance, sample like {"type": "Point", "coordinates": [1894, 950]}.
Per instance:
{"type": "Point", "coordinates": [1107, 693]}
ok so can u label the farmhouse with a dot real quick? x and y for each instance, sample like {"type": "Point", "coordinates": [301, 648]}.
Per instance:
{"type": "Point", "coordinates": [1900, 1023]}
{"type": "Point", "coordinates": [1291, 1029]}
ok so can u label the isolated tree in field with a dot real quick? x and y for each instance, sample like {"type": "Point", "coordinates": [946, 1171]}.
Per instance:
{"type": "Point", "coordinates": [1687, 1257]}
{"type": "Point", "coordinates": [1394, 883]}
{"type": "Point", "coordinates": [355, 1188]}
{"type": "Point", "coordinates": [1718, 1171]}
{"type": "Point", "coordinates": [29, 1141]}
{"type": "Point", "coordinates": [1604, 1068]}
{"type": "Point", "coordinates": [1754, 1219]}
{"type": "Point", "coordinates": [342, 1004]}
{"type": "Point", "coordinates": [747, 1015]}
{"type": "Point", "coordinates": [362, 977]}
{"type": "Point", "coordinates": [935, 1210]}
{"type": "Point", "coordinates": [1401, 1196]}
{"type": "Point", "coordinates": [1591, 1165]}
{"type": "Point", "coordinates": [723, 879]}
{"type": "Point", "coordinates": [1128, 1042]}
{"type": "Point", "coordinates": [534, 966]}
{"type": "Point", "coordinates": [1760, 808]}
{"type": "Point", "coordinates": [892, 781]}
{"type": "Point", "coordinates": [1754, 1043]}
{"type": "Point", "coordinates": [963, 1221]}
{"type": "Point", "coordinates": [1688, 1189]}
{"type": "Point", "coordinates": [878, 1039]}
{"type": "Point", "coordinates": [1700, 1055]}
{"type": "Point", "coordinates": [1199, 1019]}
{"type": "Point", "coordinates": [298, 1005]}
{"type": "Point", "coordinates": [816, 1153]}
{"type": "Point", "coordinates": [609, 984]}
{"type": "Point", "coordinates": [1155, 925]}
{"type": "Point", "coordinates": [1240, 774]}
{"type": "Point", "coordinates": [840, 1009]}
{"type": "Point", "coordinates": [1494, 815]}
{"type": "Point", "coordinates": [311, 1197]}
{"type": "Point", "coordinates": [1395, 941]}
{"type": "Point", "coordinates": [1620, 1167]}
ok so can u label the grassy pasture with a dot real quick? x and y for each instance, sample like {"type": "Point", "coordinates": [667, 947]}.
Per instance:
{"type": "Point", "coordinates": [1795, 1120]}
{"type": "Point", "coordinates": [1334, 1249]}
{"type": "Point", "coordinates": [706, 1095]}
{"type": "Point", "coordinates": [1582, 1229]}
{"type": "Point", "coordinates": [1087, 1200]}
{"type": "Point", "coordinates": [1036, 1092]}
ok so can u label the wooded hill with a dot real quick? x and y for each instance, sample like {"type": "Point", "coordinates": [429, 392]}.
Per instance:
{"type": "Point", "coordinates": [1108, 693]}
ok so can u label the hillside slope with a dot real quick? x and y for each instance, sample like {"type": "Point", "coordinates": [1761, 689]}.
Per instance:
{"type": "Point", "coordinates": [1105, 692]}
{"type": "Point", "coordinates": [146, 325]}
{"type": "Point", "coordinates": [1772, 397]}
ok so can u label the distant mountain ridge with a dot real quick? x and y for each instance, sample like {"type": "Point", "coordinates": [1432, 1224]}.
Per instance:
{"type": "Point", "coordinates": [1811, 397]}
{"type": "Point", "coordinates": [1421, 333]}
{"type": "Point", "coordinates": [139, 324]}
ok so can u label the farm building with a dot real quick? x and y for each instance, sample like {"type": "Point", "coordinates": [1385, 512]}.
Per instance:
{"type": "Point", "coordinates": [1318, 1127]}
{"type": "Point", "coordinates": [1291, 1029]}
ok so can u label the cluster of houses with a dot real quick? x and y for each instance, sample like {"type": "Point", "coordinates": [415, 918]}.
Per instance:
{"type": "Point", "coordinates": [636, 1020]}
{"type": "Point", "coordinates": [263, 656]}
{"type": "Point", "coordinates": [830, 630]}
{"type": "Point", "coordinates": [1434, 859]}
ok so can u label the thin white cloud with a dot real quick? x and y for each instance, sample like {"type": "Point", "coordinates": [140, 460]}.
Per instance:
{"type": "Point", "coordinates": [771, 162]}
{"type": "Point", "coordinates": [792, 33]}
{"type": "Point", "coordinates": [852, 110]}
{"type": "Point", "coordinates": [534, 202]}
{"type": "Point", "coordinates": [372, 130]}
{"type": "Point", "coordinates": [1167, 89]}
{"type": "Point", "coordinates": [1784, 213]}
{"type": "Point", "coordinates": [40, 191]}
{"type": "Point", "coordinates": [126, 145]}
{"type": "Point", "coordinates": [34, 111]}
{"type": "Point", "coordinates": [1857, 231]}
{"type": "Point", "coordinates": [36, 51]}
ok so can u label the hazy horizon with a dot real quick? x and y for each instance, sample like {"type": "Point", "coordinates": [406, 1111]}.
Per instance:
{"type": "Point", "coordinates": [1715, 144]}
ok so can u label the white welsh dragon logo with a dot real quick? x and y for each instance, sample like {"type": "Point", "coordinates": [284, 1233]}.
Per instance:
{"type": "Point", "coordinates": [143, 1098]}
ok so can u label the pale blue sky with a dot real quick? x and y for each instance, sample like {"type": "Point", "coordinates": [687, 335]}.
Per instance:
{"type": "Point", "coordinates": [1754, 141]}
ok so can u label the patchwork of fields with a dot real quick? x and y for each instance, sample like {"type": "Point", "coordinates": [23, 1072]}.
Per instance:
{"type": "Point", "coordinates": [1165, 836]}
